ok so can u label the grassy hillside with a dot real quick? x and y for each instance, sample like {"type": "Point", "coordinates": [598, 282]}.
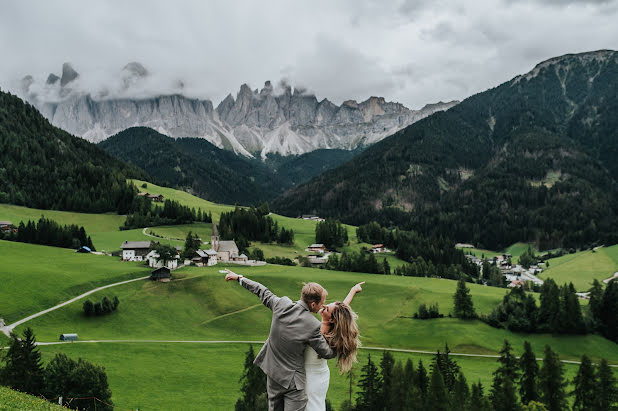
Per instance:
{"type": "Point", "coordinates": [199, 305]}
{"type": "Point", "coordinates": [583, 267]}
{"type": "Point", "coordinates": [35, 277]}
{"type": "Point", "coordinates": [14, 400]}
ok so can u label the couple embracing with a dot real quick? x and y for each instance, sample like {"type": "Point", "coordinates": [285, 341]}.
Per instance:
{"type": "Point", "coordinates": [295, 353]}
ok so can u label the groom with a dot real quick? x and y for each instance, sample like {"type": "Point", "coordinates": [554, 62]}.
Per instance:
{"type": "Point", "coordinates": [282, 356]}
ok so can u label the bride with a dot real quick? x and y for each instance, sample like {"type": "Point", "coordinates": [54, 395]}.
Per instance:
{"type": "Point", "coordinates": [340, 330]}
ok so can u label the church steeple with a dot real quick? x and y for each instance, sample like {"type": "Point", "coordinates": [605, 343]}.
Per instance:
{"type": "Point", "coordinates": [214, 239]}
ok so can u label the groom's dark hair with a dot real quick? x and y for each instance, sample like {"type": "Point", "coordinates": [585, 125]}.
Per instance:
{"type": "Point", "coordinates": [312, 292]}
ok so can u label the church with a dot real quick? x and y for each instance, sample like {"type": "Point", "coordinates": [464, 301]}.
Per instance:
{"type": "Point", "coordinates": [226, 250]}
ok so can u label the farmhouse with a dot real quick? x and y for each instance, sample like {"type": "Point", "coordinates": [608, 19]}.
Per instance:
{"type": "Point", "coordinates": [311, 217]}
{"type": "Point", "coordinates": [162, 274]}
{"type": "Point", "coordinates": [135, 250]}
{"type": "Point", "coordinates": [204, 258]}
{"type": "Point", "coordinates": [377, 248]}
{"type": "Point", "coordinates": [316, 248]}
{"type": "Point", "coordinates": [7, 227]}
{"type": "Point", "coordinates": [317, 260]}
{"type": "Point", "coordinates": [153, 260]}
{"type": "Point", "coordinates": [226, 250]}
{"type": "Point", "coordinates": [157, 198]}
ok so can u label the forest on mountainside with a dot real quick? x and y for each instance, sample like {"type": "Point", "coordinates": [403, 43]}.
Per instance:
{"type": "Point", "coordinates": [44, 167]}
{"type": "Point", "coordinates": [530, 160]}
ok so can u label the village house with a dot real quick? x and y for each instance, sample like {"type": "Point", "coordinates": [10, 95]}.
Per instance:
{"type": "Point", "coordinates": [157, 198]}
{"type": "Point", "coordinates": [226, 250]}
{"type": "Point", "coordinates": [316, 248]}
{"type": "Point", "coordinates": [317, 260]}
{"type": "Point", "coordinates": [153, 260]}
{"type": "Point", "coordinates": [311, 217]}
{"type": "Point", "coordinates": [204, 258]}
{"type": "Point", "coordinates": [135, 250]}
{"type": "Point", "coordinates": [7, 227]}
{"type": "Point", "coordinates": [377, 248]}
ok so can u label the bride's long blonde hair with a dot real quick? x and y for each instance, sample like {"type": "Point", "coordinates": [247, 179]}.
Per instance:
{"type": "Point", "coordinates": [343, 336]}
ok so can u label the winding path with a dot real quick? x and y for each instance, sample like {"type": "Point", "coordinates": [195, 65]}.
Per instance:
{"type": "Point", "coordinates": [7, 329]}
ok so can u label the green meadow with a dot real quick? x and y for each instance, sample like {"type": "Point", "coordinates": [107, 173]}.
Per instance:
{"type": "Point", "coordinates": [583, 267]}
{"type": "Point", "coordinates": [14, 400]}
{"type": "Point", "coordinates": [196, 376]}
{"type": "Point", "coordinates": [36, 277]}
{"type": "Point", "coordinates": [199, 305]}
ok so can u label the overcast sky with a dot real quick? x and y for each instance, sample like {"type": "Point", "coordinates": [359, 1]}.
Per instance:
{"type": "Point", "coordinates": [413, 52]}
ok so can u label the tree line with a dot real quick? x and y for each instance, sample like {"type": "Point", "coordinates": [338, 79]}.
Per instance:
{"type": "Point", "coordinates": [518, 384]}
{"type": "Point", "coordinates": [331, 233]}
{"type": "Point", "coordinates": [559, 311]}
{"type": "Point", "coordinates": [23, 370]}
{"type": "Point", "coordinates": [429, 256]}
{"type": "Point", "coordinates": [360, 262]}
{"type": "Point", "coordinates": [145, 215]}
{"type": "Point", "coordinates": [253, 224]}
{"type": "Point", "coordinates": [48, 232]}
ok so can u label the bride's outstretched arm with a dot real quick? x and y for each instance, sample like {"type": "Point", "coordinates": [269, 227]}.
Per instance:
{"type": "Point", "coordinates": [353, 291]}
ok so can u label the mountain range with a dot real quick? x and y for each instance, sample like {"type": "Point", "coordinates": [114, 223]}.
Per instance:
{"type": "Point", "coordinates": [256, 123]}
{"type": "Point", "coordinates": [533, 159]}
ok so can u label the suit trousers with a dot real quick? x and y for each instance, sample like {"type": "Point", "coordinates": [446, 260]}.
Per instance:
{"type": "Point", "coordinates": [285, 399]}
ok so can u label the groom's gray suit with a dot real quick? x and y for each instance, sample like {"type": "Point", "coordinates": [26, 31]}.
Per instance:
{"type": "Point", "coordinates": [282, 356]}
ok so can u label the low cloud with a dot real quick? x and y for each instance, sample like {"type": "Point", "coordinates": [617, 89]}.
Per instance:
{"type": "Point", "coordinates": [414, 52]}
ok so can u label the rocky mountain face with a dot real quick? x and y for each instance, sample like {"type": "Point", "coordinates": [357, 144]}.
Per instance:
{"type": "Point", "coordinates": [257, 122]}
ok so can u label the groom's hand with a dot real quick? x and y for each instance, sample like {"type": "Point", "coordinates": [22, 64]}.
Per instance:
{"type": "Point", "coordinates": [231, 276]}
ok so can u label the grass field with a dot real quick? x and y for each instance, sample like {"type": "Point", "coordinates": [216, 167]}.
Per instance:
{"type": "Point", "coordinates": [15, 400]}
{"type": "Point", "coordinates": [35, 277]}
{"type": "Point", "coordinates": [199, 305]}
{"type": "Point", "coordinates": [479, 252]}
{"type": "Point", "coordinates": [205, 376]}
{"type": "Point", "coordinates": [582, 267]}
{"type": "Point", "coordinates": [518, 249]}
{"type": "Point", "coordinates": [185, 198]}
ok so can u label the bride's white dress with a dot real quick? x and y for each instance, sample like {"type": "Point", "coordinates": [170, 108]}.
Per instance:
{"type": "Point", "coordinates": [318, 378]}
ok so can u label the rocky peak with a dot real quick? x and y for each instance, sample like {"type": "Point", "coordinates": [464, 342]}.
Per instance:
{"type": "Point", "coordinates": [68, 74]}
{"type": "Point", "coordinates": [52, 79]}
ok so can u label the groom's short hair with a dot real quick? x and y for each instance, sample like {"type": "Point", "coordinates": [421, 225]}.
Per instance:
{"type": "Point", "coordinates": [313, 292]}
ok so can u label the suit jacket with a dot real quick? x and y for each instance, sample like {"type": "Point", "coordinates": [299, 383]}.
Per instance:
{"type": "Point", "coordinates": [293, 327]}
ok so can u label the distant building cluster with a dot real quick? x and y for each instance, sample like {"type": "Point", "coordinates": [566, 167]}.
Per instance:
{"type": "Point", "coordinates": [157, 198]}
{"type": "Point", "coordinates": [516, 275]}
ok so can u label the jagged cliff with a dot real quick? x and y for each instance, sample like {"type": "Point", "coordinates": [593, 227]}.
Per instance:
{"type": "Point", "coordinates": [256, 122]}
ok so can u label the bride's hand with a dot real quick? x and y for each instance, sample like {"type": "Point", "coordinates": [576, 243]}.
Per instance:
{"type": "Point", "coordinates": [357, 288]}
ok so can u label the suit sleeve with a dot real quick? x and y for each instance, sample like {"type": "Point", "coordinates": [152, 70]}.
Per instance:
{"type": "Point", "coordinates": [266, 296]}
{"type": "Point", "coordinates": [321, 346]}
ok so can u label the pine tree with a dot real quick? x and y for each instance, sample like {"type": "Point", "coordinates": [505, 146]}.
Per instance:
{"type": "Point", "coordinates": [464, 308]}
{"type": "Point", "coordinates": [253, 384]}
{"type": "Point", "coordinates": [478, 401]}
{"type": "Point", "coordinates": [529, 375]}
{"type": "Point", "coordinates": [368, 396]}
{"type": "Point", "coordinates": [585, 385]}
{"type": "Point", "coordinates": [607, 392]}
{"type": "Point", "coordinates": [461, 392]}
{"type": "Point", "coordinates": [503, 390]}
{"type": "Point", "coordinates": [609, 312]}
{"type": "Point", "coordinates": [551, 381]}
{"type": "Point", "coordinates": [23, 370]}
{"type": "Point", "coordinates": [386, 365]}
{"type": "Point", "coordinates": [437, 398]}
{"type": "Point", "coordinates": [422, 381]}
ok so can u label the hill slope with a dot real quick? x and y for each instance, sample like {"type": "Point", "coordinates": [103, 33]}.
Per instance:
{"type": "Point", "coordinates": [530, 160]}
{"type": "Point", "coordinates": [42, 166]}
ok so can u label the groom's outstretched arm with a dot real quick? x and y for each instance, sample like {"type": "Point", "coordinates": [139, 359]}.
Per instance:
{"type": "Point", "coordinates": [266, 296]}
